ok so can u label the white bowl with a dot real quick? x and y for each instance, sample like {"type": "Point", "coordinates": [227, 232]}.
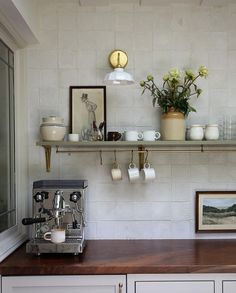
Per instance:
{"type": "Point", "coordinates": [52, 132]}
{"type": "Point", "coordinates": [53, 119]}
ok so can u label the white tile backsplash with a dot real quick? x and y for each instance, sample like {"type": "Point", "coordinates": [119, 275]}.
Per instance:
{"type": "Point", "coordinates": [48, 20]}
{"type": "Point", "coordinates": [143, 22]}
{"type": "Point", "coordinates": [74, 46]}
{"type": "Point", "coordinates": [199, 173]}
{"type": "Point", "coordinates": [143, 40]}
{"type": "Point", "coordinates": [48, 78]}
{"type": "Point", "coordinates": [48, 39]}
{"type": "Point", "coordinates": [67, 59]}
{"type": "Point", "coordinates": [67, 21]}
{"type": "Point", "coordinates": [67, 77]}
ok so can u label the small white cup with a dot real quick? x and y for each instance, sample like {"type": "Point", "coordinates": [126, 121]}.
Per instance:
{"type": "Point", "coordinates": [55, 236]}
{"type": "Point", "coordinates": [148, 173]}
{"type": "Point", "coordinates": [133, 135]}
{"type": "Point", "coordinates": [73, 137]}
{"type": "Point", "coordinates": [116, 174]}
{"type": "Point", "coordinates": [133, 172]}
{"type": "Point", "coordinates": [151, 135]}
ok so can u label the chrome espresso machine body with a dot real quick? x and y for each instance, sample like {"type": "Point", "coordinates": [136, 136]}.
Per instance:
{"type": "Point", "coordinates": [57, 204]}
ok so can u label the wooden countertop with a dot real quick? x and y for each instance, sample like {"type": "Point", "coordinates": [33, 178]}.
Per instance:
{"type": "Point", "coordinates": [129, 257]}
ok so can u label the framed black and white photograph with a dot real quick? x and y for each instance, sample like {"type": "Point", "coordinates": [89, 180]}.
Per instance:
{"type": "Point", "coordinates": [216, 211]}
{"type": "Point", "coordinates": [88, 110]}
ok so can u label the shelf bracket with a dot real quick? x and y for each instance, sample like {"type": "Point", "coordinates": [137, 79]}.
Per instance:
{"type": "Point", "coordinates": [48, 150]}
{"type": "Point", "coordinates": [141, 152]}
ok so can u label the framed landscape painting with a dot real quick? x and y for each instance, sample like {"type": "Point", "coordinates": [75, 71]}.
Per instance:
{"type": "Point", "coordinates": [216, 211]}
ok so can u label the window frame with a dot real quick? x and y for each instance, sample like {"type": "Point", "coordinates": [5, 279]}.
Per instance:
{"type": "Point", "coordinates": [13, 237]}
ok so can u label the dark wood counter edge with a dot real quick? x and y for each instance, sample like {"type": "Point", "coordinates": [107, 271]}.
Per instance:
{"type": "Point", "coordinates": [31, 271]}
{"type": "Point", "coordinates": [109, 257]}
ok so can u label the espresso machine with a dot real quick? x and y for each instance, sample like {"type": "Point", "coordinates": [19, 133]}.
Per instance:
{"type": "Point", "coordinates": [57, 204]}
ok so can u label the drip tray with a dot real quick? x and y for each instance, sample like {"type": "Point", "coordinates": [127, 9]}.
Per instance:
{"type": "Point", "coordinates": [39, 246]}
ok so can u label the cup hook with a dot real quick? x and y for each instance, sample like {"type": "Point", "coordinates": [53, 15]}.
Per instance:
{"type": "Point", "coordinates": [115, 160]}
{"type": "Point", "coordinates": [132, 157]}
{"type": "Point", "coordinates": [101, 162]}
{"type": "Point", "coordinates": [146, 158]}
{"type": "Point", "coordinates": [132, 165]}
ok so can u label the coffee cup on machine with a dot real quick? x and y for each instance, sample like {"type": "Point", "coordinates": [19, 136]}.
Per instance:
{"type": "Point", "coordinates": [56, 235]}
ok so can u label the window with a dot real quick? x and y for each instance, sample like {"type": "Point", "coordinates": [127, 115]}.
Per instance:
{"type": "Point", "coordinates": [7, 139]}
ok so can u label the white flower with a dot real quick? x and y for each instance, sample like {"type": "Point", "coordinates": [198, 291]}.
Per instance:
{"type": "Point", "coordinates": [203, 71]}
{"type": "Point", "coordinates": [174, 73]}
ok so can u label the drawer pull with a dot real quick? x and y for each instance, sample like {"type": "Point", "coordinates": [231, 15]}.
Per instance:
{"type": "Point", "coordinates": [120, 287]}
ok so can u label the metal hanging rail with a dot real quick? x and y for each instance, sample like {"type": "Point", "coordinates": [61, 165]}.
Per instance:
{"type": "Point", "coordinates": [139, 147]}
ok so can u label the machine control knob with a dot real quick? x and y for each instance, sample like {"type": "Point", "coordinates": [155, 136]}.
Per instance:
{"type": "Point", "coordinates": [41, 196]}
{"type": "Point", "coordinates": [75, 196]}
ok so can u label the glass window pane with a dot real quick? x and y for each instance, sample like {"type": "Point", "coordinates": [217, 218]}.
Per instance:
{"type": "Point", "coordinates": [4, 141]}
{"type": "Point", "coordinates": [11, 59]}
{"type": "Point", "coordinates": [12, 138]}
{"type": "Point", "coordinates": [7, 220]}
{"type": "Point", "coordinates": [3, 51]}
{"type": "Point", "coordinates": [7, 144]}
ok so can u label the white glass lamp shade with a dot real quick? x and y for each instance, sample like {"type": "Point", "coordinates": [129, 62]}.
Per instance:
{"type": "Point", "coordinates": [118, 60]}
{"type": "Point", "coordinates": [118, 77]}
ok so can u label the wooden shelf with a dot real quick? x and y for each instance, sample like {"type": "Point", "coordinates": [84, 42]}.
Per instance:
{"type": "Point", "coordinates": [140, 146]}
{"type": "Point", "coordinates": [159, 143]}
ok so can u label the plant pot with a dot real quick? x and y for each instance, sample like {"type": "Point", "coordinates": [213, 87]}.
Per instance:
{"type": "Point", "coordinates": [173, 126]}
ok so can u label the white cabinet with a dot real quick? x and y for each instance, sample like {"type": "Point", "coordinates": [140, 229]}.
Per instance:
{"type": "Point", "coordinates": [64, 284]}
{"type": "Point", "coordinates": [229, 286]}
{"type": "Point", "coordinates": [173, 286]}
{"type": "Point", "coordinates": [178, 283]}
{"type": "Point", "coordinates": [136, 283]}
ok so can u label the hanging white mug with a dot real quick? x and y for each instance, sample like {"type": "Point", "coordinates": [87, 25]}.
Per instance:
{"type": "Point", "coordinates": [116, 174]}
{"type": "Point", "coordinates": [133, 172]}
{"type": "Point", "coordinates": [148, 173]}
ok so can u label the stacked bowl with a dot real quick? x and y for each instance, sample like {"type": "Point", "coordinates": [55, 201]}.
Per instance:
{"type": "Point", "coordinates": [52, 129]}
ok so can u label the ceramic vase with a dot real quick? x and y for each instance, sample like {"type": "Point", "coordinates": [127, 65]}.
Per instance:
{"type": "Point", "coordinates": [173, 126]}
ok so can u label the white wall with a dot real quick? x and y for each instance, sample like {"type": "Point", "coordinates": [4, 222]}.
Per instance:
{"type": "Point", "coordinates": [28, 9]}
{"type": "Point", "coordinates": [20, 19]}
{"type": "Point", "coordinates": [74, 46]}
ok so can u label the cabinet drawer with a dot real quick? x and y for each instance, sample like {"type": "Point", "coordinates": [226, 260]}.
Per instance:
{"type": "Point", "coordinates": [64, 284]}
{"type": "Point", "coordinates": [175, 287]}
{"type": "Point", "coordinates": [229, 286]}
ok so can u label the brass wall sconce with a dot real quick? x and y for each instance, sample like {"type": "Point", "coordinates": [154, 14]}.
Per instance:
{"type": "Point", "coordinates": [118, 60]}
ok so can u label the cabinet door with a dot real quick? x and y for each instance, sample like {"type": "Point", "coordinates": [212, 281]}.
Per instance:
{"type": "Point", "coordinates": [64, 284]}
{"type": "Point", "coordinates": [175, 286]}
{"type": "Point", "coordinates": [229, 286]}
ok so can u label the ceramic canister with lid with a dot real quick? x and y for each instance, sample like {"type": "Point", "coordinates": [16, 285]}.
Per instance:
{"type": "Point", "coordinates": [53, 120]}
{"type": "Point", "coordinates": [52, 129]}
{"type": "Point", "coordinates": [196, 132]}
{"type": "Point", "coordinates": [212, 132]}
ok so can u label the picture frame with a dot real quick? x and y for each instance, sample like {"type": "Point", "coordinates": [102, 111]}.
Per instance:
{"type": "Point", "coordinates": [87, 103]}
{"type": "Point", "coordinates": [215, 211]}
